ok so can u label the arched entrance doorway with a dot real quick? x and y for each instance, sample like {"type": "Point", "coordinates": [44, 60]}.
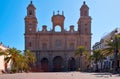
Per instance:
{"type": "Point", "coordinates": [58, 64]}
{"type": "Point", "coordinates": [71, 64]}
{"type": "Point", "coordinates": [44, 65]}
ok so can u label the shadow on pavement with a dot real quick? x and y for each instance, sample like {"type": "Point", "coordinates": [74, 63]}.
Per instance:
{"type": "Point", "coordinates": [106, 75]}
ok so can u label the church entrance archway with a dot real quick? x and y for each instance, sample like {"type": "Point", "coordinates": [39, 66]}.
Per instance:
{"type": "Point", "coordinates": [71, 64]}
{"type": "Point", "coordinates": [45, 65]}
{"type": "Point", "coordinates": [58, 64]}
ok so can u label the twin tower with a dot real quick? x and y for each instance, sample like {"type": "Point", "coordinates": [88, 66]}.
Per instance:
{"type": "Point", "coordinates": [55, 51]}
{"type": "Point", "coordinates": [84, 23]}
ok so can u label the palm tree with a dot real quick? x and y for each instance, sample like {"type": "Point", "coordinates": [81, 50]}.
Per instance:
{"type": "Point", "coordinates": [0, 50]}
{"type": "Point", "coordinates": [111, 45]}
{"type": "Point", "coordinates": [109, 50]}
{"type": "Point", "coordinates": [13, 56]}
{"type": "Point", "coordinates": [30, 57]}
{"type": "Point", "coordinates": [97, 57]}
{"type": "Point", "coordinates": [20, 65]}
{"type": "Point", "coordinates": [20, 62]}
{"type": "Point", "coordinates": [112, 49]}
{"type": "Point", "coordinates": [80, 51]}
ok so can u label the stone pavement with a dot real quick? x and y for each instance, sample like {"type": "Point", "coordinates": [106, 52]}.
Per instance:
{"type": "Point", "coordinates": [59, 75]}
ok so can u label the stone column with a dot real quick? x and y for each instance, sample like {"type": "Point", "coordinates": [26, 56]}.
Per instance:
{"type": "Point", "coordinates": [66, 61]}
{"type": "Point", "coordinates": [50, 61]}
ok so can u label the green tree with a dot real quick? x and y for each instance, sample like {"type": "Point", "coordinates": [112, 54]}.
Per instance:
{"type": "Point", "coordinates": [97, 57]}
{"type": "Point", "coordinates": [30, 58]}
{"type": "Point", "coordinates": [109, 50]}
{"type": "Point", "coordinates": [11, 54]}
{"type": "Point", "coordinates": [111, 45]}
{"type": "Point", "coordinates": [113, 49]}
{"type": "Point", "coordinates": [80, 51]}
{"type": "Point", "coordinates": [20, 62]}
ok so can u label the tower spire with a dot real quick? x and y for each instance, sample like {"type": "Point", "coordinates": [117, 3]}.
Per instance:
{"type": "Point", "coordinates": [84, 2]}
{"type": "Point", "coordinates": [84, 10]}
{"type": "Point", "coordinates": [31, 1]}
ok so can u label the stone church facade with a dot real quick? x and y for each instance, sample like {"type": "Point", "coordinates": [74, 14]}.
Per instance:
{"type": "Point", "coordinates": [55, 51]}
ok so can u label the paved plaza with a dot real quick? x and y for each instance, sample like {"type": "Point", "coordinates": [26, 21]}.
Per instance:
{"type": "Point", "coordinates": [59, 75]}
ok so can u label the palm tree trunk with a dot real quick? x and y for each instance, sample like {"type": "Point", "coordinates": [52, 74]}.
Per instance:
{"type": "Point", "coordinates": [96, 66]}
{"type": "Point", "coordinates": [79, 64]}
{"type": "Point", "coordinates": [101, 66]}
{"type": "Point", "coordinates": [5, 65]}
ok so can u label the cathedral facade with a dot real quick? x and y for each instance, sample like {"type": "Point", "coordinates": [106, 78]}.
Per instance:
{"type": "Point", "coordinates": [55, 51]}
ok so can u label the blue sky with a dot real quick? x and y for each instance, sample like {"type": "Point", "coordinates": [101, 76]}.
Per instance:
{"type": "Point", "coordinates": [105, 17]}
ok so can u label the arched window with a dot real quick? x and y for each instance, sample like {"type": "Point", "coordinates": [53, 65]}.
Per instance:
{"type": "Point", "coordinates": [58, 43]}
{"type": "Point", "coordinates": [71, 46]}
{"type": "Point", "coordinates": [57, 28]}
{"type": "Point", "coordinates": [30, 12]}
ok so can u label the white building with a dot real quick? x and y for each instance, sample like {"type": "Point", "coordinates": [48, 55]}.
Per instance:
{"type": "Point", "coordinates": [102, 43]}
{"type": "Point", "coordinates": [107, 63]}
{"type": "Point", "coordinates": [2, 63]}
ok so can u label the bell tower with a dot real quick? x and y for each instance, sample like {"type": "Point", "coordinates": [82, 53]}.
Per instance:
{"type": "Point", "coordinates": [84, 22]}
{"type": "Point", "coordinates": [84, 26]}
{"type": "Point", "coordinates": [58, 20]}
{"type": "Point", "coordinates": [30, 19]}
